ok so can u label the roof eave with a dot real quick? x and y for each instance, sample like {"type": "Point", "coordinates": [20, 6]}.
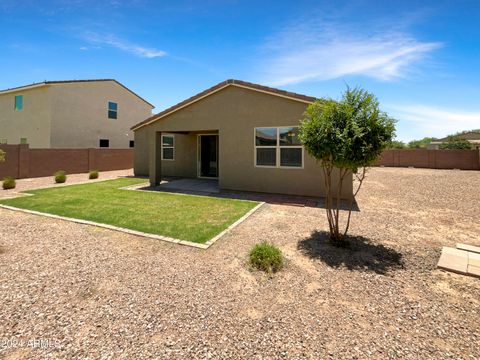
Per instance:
{"type": "Point", "coordinates": [55, 82]}
{"type": "Point", "coordinates": [22, 88]}
{"type": "Point", "coordinates": [210, 91]}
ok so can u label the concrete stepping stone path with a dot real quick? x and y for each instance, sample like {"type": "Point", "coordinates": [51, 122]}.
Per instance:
{"type": "Point", "coordinates": [470, 248]}
{"type": "Point", "coordinates": [465, 260]}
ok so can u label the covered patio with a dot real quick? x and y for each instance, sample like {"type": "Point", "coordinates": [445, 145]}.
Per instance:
{"type": "Point", "coordinates": [192, 186]}
{"type": "Point", "coordinates": [189, 154]}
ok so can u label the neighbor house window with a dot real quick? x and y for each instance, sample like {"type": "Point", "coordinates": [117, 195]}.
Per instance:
{"type": "Point", "coordinates": [18, 102]}
{"type": "Point", "coordinates": [131, 143]}
{"type": "Point", "coordinates": [112, 110]}
{"type": "Point", "coordinates": [168, 143]}
{"type": "Point", "coordinates": [104, 143]}
{"type": "Point", "coordinates": [3, 141]}
{"type": "Point", "coordinates": [278, 147]}
{"type": "Point", "coordinates": [23, 140]}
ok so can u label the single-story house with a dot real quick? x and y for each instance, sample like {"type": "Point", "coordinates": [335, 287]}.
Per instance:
{"type": "Point", "coordinates": [473, 137]}
{"type": "Point", "coordinates": [243, 134]}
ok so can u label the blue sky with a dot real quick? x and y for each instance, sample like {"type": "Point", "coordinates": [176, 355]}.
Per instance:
{"type": "Point", "coordinates": [421, 58]}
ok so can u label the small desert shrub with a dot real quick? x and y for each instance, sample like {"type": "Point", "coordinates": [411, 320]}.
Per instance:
{"type": "Point", "coordinates": [93, 174]}
{"type": "Point", "coordinates": [266, 257]}
{"type": "Point", "coordinates": [9, 183]}
{"type": "Point", "coordinates": [60, 177]}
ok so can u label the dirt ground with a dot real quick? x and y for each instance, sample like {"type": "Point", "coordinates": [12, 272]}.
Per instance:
{"type": "Point", "coordinates": [76, 291]}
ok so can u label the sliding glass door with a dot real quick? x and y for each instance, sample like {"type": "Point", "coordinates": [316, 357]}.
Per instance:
{"type": "Point", "coordinates": [208, 156]}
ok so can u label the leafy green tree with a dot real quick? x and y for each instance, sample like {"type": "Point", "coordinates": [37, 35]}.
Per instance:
{"type": "Point", "coordinates": [2, 155]}
{"type": "Point", "coordinates": [346, 137]}
{"type": "Point", "coordinates": [455, 143]}
{"type": "Point", "coordinates": [422, 143]}
{"type": "Point", "coordinates": [396, 144]}
{"type": "Point", "coordinates": [466, 131]}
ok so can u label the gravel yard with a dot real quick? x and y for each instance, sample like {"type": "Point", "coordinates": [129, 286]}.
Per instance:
{"type": "Point", "coordinates": [96, 293]}
{"type": "Point", "coordinates": [48, 181]}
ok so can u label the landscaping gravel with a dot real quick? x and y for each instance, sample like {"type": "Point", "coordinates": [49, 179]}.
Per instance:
{"type": "Point", "coordinates": [88, 292]}
{"type": "Point", "coordinates": [49, 181]}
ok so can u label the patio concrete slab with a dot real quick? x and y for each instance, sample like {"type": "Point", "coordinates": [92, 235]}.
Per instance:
{"type": "Point", "coordinates": [453, 260]}
{"type": "Point", "coordinates": [209, 187]}
{"type": "Point", "coordinates": [191, 185]}
{"type": "Point", "coordinates": [470, 248]}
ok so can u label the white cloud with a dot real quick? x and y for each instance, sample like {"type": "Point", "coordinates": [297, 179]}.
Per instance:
{"type": "Point", "coordinates": [312, 52]}
{"type": "Point", "coordinates": [432, 121]}
{"type": "Point", "coordinates": [113, 41]}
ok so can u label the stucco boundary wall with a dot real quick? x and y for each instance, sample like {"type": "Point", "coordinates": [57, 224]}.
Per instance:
{"type": "Point", "coordinates": [23, 162]}
{"type": "Point", "coordinates": [431, 159]}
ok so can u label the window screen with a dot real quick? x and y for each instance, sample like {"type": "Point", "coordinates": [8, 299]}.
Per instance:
{"type": "Point", "coordinates": [278, 147]}
{"type": "Point", "coordinates": [168, 144]}
{"type": "Point", "coordinates": [112, 110]}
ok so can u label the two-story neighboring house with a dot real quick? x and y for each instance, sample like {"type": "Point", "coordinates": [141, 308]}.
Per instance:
{"type": "Point", "coordinates": [71, 114]}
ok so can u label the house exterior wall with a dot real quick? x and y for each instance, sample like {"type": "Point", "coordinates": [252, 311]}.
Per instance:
{"type": "Point", "coordinates": [234, 112]}
{"type": "Point", "coordinates": [71, 115]}
{"type": "Point", "coordinates": [140, 162]}
{"type": "Point", "coordinates": [33, 122]}
{"type": "Point", "coordinates": [80, 114]}
{"type": "Point", "coordinates": [185, 157]}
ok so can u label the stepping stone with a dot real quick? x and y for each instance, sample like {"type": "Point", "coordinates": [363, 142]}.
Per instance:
{"type": "Point", "coordinates": [474, 259]}
{"type": "Point", "coordinates": [473, 270]}
{"type": "Point", "coordinates": [453, 260]}
{"type": "Point", "coordinates": [471, 248]}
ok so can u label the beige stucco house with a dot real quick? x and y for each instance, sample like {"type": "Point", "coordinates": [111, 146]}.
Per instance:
{"type": "Point", "coordinates": [71, 114]}
{"type": "Point", "coordinates": [473, 137]}
{"type": "Point", "coordinates": [243, 134]}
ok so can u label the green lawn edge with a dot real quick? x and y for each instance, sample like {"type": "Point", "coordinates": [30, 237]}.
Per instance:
{"type": "Point", "coordinates": [194, 218]}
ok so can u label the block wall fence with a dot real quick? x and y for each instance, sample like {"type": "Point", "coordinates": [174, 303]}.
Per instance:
{"type": "Point", "coordinates": [23, 162]}
{"type": "Point", "coordinates": [431, 159]}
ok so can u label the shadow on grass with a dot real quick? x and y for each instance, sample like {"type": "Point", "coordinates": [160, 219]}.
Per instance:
{"type": "Point", "coordinates": [360, 253]}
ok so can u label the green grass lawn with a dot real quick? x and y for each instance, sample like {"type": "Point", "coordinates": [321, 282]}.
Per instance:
{"type": "Point", "coordinates": [192, 218]}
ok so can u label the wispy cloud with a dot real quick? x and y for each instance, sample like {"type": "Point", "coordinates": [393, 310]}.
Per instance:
{"type": "Point", "coordinates": [434, 121]}
{"type": "Point", "coordinates": [330, 50]}
{"type": "Point", "coordinates": [124, 45]}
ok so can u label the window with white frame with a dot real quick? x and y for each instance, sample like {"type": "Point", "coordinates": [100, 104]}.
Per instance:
{"type": "Point", "coordinates": [278, 147]}
{"type": "Point", "coordinates": [168, 144]}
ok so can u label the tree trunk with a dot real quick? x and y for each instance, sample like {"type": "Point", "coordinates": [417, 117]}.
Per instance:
{"type": "Point", "coordinates": [333, 206]}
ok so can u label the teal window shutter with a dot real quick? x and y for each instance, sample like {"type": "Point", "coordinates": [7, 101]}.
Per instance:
{"type": "Point", "coordinates": [18, 102]}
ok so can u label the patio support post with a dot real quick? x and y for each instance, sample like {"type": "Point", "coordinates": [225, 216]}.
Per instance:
{"type": "Point", "coordinates": [155, 158]}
